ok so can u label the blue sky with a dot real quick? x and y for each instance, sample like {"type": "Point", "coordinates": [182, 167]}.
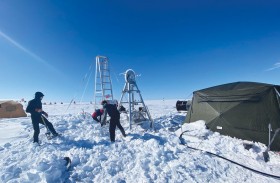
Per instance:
{"type": "Point", "coordinates": [178, 46]}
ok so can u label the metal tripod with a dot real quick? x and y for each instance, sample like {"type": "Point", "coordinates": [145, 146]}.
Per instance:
{"type": "Point", "coordinates": [131, 88]}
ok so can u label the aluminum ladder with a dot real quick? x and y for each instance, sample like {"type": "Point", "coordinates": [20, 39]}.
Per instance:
{"type": "Point", "coordinates": [103, 83]}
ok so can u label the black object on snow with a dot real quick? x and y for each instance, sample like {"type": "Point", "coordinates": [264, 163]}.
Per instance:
{"type": "Point", "coordinates": [68, 162]}
{"type": "Point", "coordinates": [182, 105]}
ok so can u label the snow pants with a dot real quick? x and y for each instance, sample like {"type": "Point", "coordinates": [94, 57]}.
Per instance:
{"type": "Point", "coordinates": [115, 122]}
{"type": "Point", "coordinates": [36, 119]}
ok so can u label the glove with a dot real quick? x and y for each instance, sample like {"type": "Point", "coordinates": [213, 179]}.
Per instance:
{"type": "Point", "coordinates": [95, 119]}
{"type": "Point", "coordinates": [46, 114]}
{"type": "Point", "coordinates": [38, 110]}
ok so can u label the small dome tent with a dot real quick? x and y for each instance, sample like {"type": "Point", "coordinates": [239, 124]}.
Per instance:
{"type": "Point", "coordinates": [11, 109]}
{"type": "Point", "coordinates": [242, 109]}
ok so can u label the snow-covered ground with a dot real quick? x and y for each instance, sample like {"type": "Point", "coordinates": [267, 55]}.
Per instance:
{"type": "Point", "coordinates": [143, 156]}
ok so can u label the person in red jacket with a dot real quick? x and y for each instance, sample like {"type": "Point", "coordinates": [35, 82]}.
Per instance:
{"type": "Point", "coordinates": [97, 115]}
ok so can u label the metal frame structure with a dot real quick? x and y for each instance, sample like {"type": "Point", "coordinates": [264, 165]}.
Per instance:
{"type": "Point", "coordinates": [103, 83]}
{"type": "Point", "coordinates": [132, 89]}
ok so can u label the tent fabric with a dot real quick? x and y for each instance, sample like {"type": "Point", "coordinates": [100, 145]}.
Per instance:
{"type": "Point", "coordinates": [242, 110]}
{"type": "Point", "coordinates": [11, 109]}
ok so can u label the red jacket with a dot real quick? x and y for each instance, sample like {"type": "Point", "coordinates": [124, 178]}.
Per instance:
{"type": "Point", "coordinates": [97, 113]}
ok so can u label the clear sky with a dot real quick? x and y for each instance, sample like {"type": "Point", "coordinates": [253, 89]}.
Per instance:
{"type": "Point", "coordinates": [178, 46]}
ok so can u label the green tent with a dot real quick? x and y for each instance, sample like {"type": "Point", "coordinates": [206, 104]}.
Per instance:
{"type": "Point", "coordinates": [243, 110]}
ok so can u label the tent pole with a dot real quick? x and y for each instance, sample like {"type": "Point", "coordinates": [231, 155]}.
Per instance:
{"type": "Point", "coordinates": [269, 136]}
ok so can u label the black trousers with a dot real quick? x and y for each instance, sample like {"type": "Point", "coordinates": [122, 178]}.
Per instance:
{"type": "Point", "coordinates": [36, 119]}
{"type": "Point", "coordinates": [115, 122]}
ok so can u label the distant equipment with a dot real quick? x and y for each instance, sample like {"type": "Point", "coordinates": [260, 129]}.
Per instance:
{"type": "Point", "coordinates": [136, 116]}
{"type": "Point", "coordinates": [183, 105]}
{"type": "Point", "coordinates": [103, 83]}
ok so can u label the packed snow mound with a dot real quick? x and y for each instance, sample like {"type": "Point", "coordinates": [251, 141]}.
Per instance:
{"type": "Point", "coordinates": [145, 155]}
{"type": "Point", "coordinates": [192, 128]}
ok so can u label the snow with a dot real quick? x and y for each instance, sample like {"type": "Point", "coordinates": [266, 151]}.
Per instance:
{"type": "Point", "coordinates": [143, 156]}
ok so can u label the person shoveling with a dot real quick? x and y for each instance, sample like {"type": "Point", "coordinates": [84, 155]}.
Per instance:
{"type": "Point", "coordinates": [34, 107]}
